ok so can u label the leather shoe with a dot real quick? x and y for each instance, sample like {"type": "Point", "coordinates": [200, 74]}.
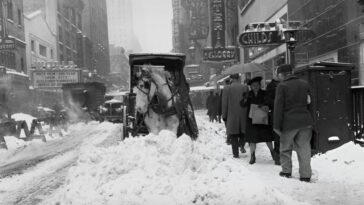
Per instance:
{"type": "Point", "coordinates": [303, 179]}
{"type": "Point", "coordinates": [242, 150]}
{"type": "Point", "coordinates": [287, 175]}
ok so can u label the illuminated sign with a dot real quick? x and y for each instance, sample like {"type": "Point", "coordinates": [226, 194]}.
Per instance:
{"type": "Point", "coordinates": [54, 78]}
{"type": "Point", "coordinates": [217, 15]}
{"type": "Point", "coordinates": [260, 38]}
{"type": "Point", "coordinates": [7, 44]}
{"type": "Point", "coordinates": [222, 54]}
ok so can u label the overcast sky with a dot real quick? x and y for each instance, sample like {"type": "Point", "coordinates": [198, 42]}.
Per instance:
{"type": "Point", "coordinates": [153, 24]}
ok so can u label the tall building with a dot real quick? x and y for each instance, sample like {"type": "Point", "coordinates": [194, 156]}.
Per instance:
{"type": "Point", "coordinates": [13, 21]}
{"type": "Point", "coordinates": [41, 40]}
{"type": "Point", "coordinates": [65, 19]}
{"type": "Point", "coordinates": [338, 28]}
{"type": "Point", "coordinates": [120, 20]}
{"type": "Point", "coordinates": [95, 29]}
{"type": "Point", "coordinates": [81, 30]}
{"type": "Point", "coordinates": [195, 33]}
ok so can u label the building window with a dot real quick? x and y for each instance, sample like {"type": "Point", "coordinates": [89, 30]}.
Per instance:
{"type": "Point", "coordinates": [52, 54]}
{"type": "Point", "coordinates": [60, 36]}
{"type": "Point", "coordinates": [32, 46]}
{"type": "Point", "coordinates": [19, 17]}
{"type": "Point", "coordinates": [10, 9]}
{"type": "Point", "coordinates": [22, 65]}
{"type": "Point", "coordinates": [42, 50]}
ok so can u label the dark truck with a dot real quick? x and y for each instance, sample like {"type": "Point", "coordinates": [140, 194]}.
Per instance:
{"type": "Point", "coordinates": [82, 100]}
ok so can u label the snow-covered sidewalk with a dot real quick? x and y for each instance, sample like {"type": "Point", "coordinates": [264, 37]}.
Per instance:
{"type": "Point", "coordinates": [165, 170]}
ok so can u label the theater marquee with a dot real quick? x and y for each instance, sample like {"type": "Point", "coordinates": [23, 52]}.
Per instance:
{"type": "Point", "coordinates": [53, 79]}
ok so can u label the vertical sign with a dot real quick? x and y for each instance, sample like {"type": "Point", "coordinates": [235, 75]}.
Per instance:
{"type": "Point", "coordinates": [217, 23]}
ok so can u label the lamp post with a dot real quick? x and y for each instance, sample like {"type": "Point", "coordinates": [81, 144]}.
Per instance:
{"type": "Point", "coordinates": [291, 41]}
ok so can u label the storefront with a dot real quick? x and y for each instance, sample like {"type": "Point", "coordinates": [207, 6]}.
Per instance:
{"type": "Point", "coordinates": [339, 32]}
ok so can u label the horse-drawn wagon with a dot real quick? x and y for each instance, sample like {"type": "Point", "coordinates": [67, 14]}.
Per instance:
{"type": "Point", "coordinates": [158, 97]}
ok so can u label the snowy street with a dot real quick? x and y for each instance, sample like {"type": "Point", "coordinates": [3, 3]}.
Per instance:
{"type": "Point", "coordinates": [28, 173]}
{"type": "Point", "coordinates": [90, 166]}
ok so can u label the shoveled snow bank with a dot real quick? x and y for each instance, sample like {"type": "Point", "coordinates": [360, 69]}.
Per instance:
{"type": "Point", "coordinates": [165, 170]}
{"type": "Point", "coordinates": [344, 164]}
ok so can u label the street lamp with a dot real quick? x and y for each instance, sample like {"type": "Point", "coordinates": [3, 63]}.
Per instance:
{"type": "Point", "coordinates": [291, 42]}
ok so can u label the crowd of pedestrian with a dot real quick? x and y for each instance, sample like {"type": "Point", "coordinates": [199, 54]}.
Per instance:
{"type": "Point", "coordinates": [277, 116]}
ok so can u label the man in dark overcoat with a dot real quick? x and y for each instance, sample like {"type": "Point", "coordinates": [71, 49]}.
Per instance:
{"type": "Point", "coordinates": [270, 96]}
{"type": "Point", "coordinates": [233, 114]}
{"type": "Point", "coordinates": [209, 105]}
{"type": "Point", "coordinates": [293, 122]}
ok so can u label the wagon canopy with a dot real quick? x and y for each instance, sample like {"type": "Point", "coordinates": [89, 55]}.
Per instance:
{"type": "Point", "coordinates": [172, 62]}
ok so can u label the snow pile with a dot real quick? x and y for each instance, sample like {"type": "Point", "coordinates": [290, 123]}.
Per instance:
{"type": "Point", "coordinates": [21, 116]}
{"type": "Point", "coordinates": [344, 164]}
{"type": "Point", "coordinates": [161, 169]}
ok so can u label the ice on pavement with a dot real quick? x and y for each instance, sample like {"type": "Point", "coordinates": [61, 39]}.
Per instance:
{"type": "Point", "coordinates": [165, 170]}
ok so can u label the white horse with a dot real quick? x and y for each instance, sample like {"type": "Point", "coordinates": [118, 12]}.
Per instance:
{"type": "Point", "coordinates": [154, 99]}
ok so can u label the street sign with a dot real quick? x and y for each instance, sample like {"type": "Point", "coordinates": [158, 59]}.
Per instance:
{"type": "Point", "coordinates": [7, 44]}
{"type": "Point", "coordinates": [260, 38]}
{"type": "Point", "coordinates": [220, 54]}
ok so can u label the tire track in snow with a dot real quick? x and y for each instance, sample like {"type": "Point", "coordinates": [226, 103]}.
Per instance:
{"type": "Point", "coordinates": [40, 175]}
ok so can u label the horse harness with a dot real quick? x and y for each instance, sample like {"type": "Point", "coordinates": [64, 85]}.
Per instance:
{"type": "Point", "coordinates": [157, 103]}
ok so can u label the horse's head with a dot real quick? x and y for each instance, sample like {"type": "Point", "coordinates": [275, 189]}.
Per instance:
{"type": "Point", "coordinates": [144, 92]}
{"type": "Point", "coordinates": [152, 82]}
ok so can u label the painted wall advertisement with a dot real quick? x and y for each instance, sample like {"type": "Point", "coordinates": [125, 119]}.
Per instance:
{"type": "Point", "coordinates": [53, 79]}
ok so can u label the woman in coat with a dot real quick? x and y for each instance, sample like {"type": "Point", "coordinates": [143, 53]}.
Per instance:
{"type": "Point", "coordinates": [257, 133]}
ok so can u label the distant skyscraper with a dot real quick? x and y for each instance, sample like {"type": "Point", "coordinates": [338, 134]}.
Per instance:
{"type": "Point", "coordinates": [120, 20]}
{"type": "Point", "coordinates": [95, 28]}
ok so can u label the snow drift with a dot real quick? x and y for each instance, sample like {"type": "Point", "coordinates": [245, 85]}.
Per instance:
{"type": "Point", "coordinates": [161, 169]}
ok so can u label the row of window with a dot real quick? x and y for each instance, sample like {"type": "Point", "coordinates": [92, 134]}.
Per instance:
{"type": "Point", "coordinates": [42, 50]}
{"type": "Point", "coordinates": [10, 11]}
{"type": "Point", "coordinates": [8, 59]}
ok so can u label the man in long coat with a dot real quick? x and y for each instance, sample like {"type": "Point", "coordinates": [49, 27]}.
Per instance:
{"type": "Point", "coordinates": [293, 122]}
{"type": "Point", "coordinates": [233, 114]}
{"type": "Point", "coordinates": [271, 94]}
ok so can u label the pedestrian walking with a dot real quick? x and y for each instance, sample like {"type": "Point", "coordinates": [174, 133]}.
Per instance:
{"type": "Point", "coordinates": [227, 83]}
{"type": "Point", "coordinates": [209, 105]}
{"type": "Point", "coordinates": [271, 93]}
{"type": "Point", "coordinates": [293, 122]}
{"type": "Point", "coordinates": [257, 132]}
{"type": "Point", "coordinates": [219, 93]}
{"type": "Point", "coordinates": [233, 114]}
{"type": "Point", "coordinates": [215, 106]}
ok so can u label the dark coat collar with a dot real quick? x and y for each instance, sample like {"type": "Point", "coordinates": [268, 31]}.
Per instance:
{"type": "Point", "coordinates": [291, 77]}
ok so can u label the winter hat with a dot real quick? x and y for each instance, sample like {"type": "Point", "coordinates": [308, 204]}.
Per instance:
{"type": "Point", "coordinates": [235, 76]}
{"type": "Point", "coordinates": [285, 68]}
{"type": "Point", "coordinates": [256, 79]}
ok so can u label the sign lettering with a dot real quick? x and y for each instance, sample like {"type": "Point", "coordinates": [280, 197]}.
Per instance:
{"type": "Point", "coordinates": [260, 38]}
{"type": "Point", "coordinates": [54, 78]}
{"type": "Point", "coordinates": [217, 15]}
{"type": "Point", "coordinates": [224, 54]}
{"type": "Point", "coordinates": [7, 44]}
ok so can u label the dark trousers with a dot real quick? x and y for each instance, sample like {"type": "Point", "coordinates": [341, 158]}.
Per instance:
{"type": "Point", "coordinates": [237, 140]}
